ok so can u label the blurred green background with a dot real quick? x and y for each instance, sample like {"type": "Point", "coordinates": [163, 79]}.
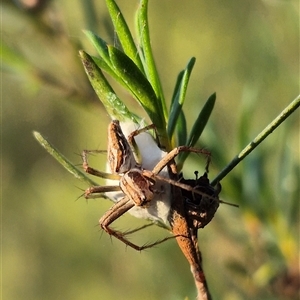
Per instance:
{"type": "Point", "coordinates": [248, 53]}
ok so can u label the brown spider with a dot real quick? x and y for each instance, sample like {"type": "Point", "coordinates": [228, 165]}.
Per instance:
{"type": "Point", "coordinates": [142, 189]}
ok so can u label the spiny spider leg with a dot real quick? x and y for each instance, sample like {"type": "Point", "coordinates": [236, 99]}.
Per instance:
{"type": "Point", "coordinates": [168, 159]}
{"type": "Point", "coordinates": [136, 132]}
{"type": "Point", "coordinates": [173, 153]}
{"type": "Point", "coordinates": [114, 213]}
{"type": "Point", "coordinates": [97, 191]}
{"type": "Point", "coordinates": [185, 187]}
{"type": "Point", "coordinates": [93, 171]}
{"type": "Point", "coordinates": [132, 142]}
{"type": "Point", "coordinates": [117, 211]}
{"type": "Point", "coordinates": [128, 232]}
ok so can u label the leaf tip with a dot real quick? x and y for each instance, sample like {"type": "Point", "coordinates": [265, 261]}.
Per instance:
{"type": "Point", "coordinates": [37, 135]}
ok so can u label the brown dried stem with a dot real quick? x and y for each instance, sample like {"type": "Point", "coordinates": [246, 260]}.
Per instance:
{"type": "Point", "coordinates": [186, 237]}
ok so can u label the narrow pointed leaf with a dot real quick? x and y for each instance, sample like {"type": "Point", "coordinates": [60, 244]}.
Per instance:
{"type": "Point", "coordinates": [181, 125]}
{"type": "Point", "coordinates": [114, 106]}
{"type": "Point", "coordinates": [107, 69]}
{"type": "Point", "coordinates": [149, 63]}
{"type": "Point", "coordinates": [198, 127]}
{"type": "Point", "coordinates": [174, 114]}
{"type": "Point", "coordinates": [63, 160]}
{"type": "Point", "coordinates": [181, 129]}
{"type": "Point", "coordinates": [123, 33]}
{"type": "Point", "coordinates": [139, 86]}
{"type": "Point", "coordinates": [90, 14]}
{"type": "Point", "coordinates": [291, 108]}
{"type": "Point", "coordinates": [177, 87]}
{"type": "Point", "coordinates": [179, 97]}
{"type": "Point", "coordinates": [201, 120]}
{"type": "Point", "coordinates": [100, 45]}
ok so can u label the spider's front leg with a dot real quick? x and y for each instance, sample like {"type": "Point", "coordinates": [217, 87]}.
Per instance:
{"type": "Point", "coordinates": [98, 191]}
{"type": "Point", "coordinates": [168, 160]}
{"type": "Point", "coordinates": [93, 171]}
{"type": "Point", "coordinates": [133, 145]}
{"type": "Point", "coordinates": [173, 153]}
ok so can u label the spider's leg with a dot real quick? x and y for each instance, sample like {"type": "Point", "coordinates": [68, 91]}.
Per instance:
{"type": "Point", "coordinates": [97, 191]}
{"type": "Point", "coordinates": [186, 187]}
{"type": "Point", "coordinates": [173, 153]}
{"type": "Point", "coordinates": [93, 171]}
{"type": "Point", "coordinates": [114, 213]}
{"type": "Point", "coordinates": [137, 132]}
{"type": "Point", "coordinates": [132, 143]}
{"type": "Point", "coordinates": [128, 232]}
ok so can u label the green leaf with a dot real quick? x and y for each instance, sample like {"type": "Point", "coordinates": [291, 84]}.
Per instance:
{"type": "Point", "coordinates": [140, 88]}
{"type": "Point", "coordinates": [106, 68]}
{"type": "Point", "coordinates": [123, 33]}
{"type": "Point", "coordinates": [63, 160]}
{"type": "Point", "coordinates": [114, 106]}
{"type": "Point", "coordinates": [149, 63]}
{"type": "Point", "coordinates": [291, 108]}
{"type": "Point", "coordinates": [181, 130]}
{"type": "Point", "coordinates": [181, 122]}
{"type": "Point", "coordinates": [179, 96]}
{"type": "Point", "coordinates": [90, 14]}
{"type": "Point", "coordinates": [110, 71]}
{"type": "Point", "coordinates": [198, 127]}
{"type": "Point", "coordinates": [177, 87]}
{"type": "Point", "coordinates": [100, 45]}
{"type": "Point", "coordinates": [201, 120]}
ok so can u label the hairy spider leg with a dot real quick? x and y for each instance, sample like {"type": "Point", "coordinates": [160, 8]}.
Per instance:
{"type": "Point", "coordinates": [173, 153]}
{"type": "Point", "coordinates": [116, 212]}
{"type": "Point", "coordinates": [93, 171]}
{"type": "Point", "coordinates": [132, 143]}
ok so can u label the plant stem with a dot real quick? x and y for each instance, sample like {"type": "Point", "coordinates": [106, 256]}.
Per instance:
{"type": "Point", "coordinates": [258, 139]}
{"type": "Point", "coordinates": [63, 160]}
